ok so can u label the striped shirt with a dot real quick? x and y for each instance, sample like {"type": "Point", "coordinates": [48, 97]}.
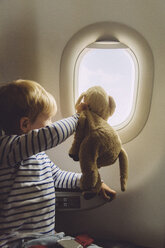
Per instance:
{"type": "Point", "coordinates": [28, 179]}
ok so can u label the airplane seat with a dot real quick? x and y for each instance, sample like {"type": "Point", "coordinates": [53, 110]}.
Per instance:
{"type": "Point", "coordinates": [68, 200]}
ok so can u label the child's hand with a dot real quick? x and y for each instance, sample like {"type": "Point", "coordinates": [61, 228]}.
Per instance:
{"type": "Point", "coordinates": [82, 106]}
{"type": "Point", "coordinates": [107, 192]}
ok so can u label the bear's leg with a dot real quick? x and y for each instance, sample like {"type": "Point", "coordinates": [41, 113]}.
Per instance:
{"type": "Point", "coordinates": [91, 192]}
{"type": "Point", "coordinates": [74, 150]}
{"type": "Point", "coordinates": [90, 181]}
{"type": "Point", "coordinates": [78, 138]}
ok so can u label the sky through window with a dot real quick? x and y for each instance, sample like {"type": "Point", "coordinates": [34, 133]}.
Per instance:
{"type": "Point", "coordinates": [114, 70]}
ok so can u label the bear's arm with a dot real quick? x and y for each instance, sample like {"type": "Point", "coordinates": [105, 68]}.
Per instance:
{"type": "Point", "coordinates": [78, 137]}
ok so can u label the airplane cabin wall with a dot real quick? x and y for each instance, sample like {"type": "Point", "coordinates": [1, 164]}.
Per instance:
{"type": "Point", "coordinates": [33, 35]}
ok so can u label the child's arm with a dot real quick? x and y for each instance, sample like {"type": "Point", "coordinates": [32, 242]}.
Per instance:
{"type": "Point", "coordinates": [14, 149]}
{"type": "Point", "coordinates": [65, 179]}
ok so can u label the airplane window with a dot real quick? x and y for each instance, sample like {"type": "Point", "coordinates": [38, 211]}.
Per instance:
{"type": "Point", "coordinates": [119, 59]}
{"type": "Point", "coordinates": [113, 66]}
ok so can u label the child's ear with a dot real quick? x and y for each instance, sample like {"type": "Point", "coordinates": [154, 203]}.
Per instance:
{"type": "Point", "coordinates": [25, 124]}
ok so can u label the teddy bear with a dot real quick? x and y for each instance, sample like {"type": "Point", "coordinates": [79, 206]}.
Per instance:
{"type": "Point", "coordinates": [96, 143]}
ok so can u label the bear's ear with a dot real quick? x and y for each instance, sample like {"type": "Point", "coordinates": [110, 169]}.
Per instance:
{"type": "Point", "coordinates": [112, 105]}
{"type": "Point", "coordinates": [79, 99]}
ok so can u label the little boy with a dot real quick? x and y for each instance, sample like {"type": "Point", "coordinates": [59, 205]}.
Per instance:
{"type": "Point", "coordinates": [28, 178]}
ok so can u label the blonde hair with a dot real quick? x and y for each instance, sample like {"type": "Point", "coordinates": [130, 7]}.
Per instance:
{"type": "Point", "coordinates": [23, 98]}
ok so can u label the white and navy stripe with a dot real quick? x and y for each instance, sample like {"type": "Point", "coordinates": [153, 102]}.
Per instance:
{"type": "Point", "coordinates": [28, 179]}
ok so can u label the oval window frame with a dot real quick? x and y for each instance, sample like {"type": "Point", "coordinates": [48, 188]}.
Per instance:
{"type": "Point", "coordinates": [110, 31]}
